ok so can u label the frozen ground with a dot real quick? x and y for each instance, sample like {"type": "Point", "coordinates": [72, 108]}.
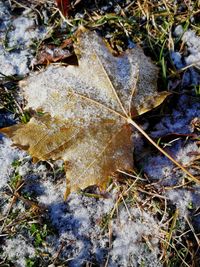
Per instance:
{"type": "Point", "coordinates": [39, 228]}
{"type": "Point", "coordinates": [78, 222]}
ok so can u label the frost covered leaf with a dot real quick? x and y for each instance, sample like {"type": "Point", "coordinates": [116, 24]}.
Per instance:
{"type": "Point", "coordinates": [86, 108]}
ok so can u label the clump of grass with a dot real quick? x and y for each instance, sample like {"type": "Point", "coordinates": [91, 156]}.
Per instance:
{"type": "Point", "coordinates": [148, 23]}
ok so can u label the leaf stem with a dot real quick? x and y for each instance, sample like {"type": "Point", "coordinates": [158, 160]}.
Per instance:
{"type": "Point", "coordinates": [190, 176]}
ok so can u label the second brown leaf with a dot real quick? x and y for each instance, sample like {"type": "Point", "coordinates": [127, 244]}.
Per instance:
{"type": "Point", "coordinates": [63, 6]}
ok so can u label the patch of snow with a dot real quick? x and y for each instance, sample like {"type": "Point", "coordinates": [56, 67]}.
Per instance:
{"type": "Point", "coordinates": [191, 56]}
{"type": "Point", "coordinates": [7, 155]}
{"type": "Point", "coordinates": [18, 250]}
{"type": "Point", "coordinates": [193, 44]}
{"type": "Point", "coordinates": [161, 170]}
{"type": "Point", "coordinates": [17, 36]}
{"type": "Point", "coordinates": [177, 59]}
{"type": "Point", "coordinates": [6, 119]}
{"type": "Point", "coordinates": [128, 247]}
{"type": "Point", "coordinates": [77, 222]}
{"type": "Point", "coordinates": [5, 17]}
{"type": "Point", "coordinates": [181, 199]}
{"type": "Point", "coordinates": [51, 193]}
{"type": "Point", "coordinates": [187, 154]}
{"type": "Point", "coordinates": [179, 121]}
{"type": "Point", "coordinates": [178, 31]}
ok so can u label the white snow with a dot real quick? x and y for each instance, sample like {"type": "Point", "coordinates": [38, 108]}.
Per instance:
{"type": "Point", "coordinates": [189, 58]}
{"type": "Point", "coordinates": [7, 155]}
{"type": "Point", "coordinates": [177, 59]}
{"type": "Point", "coordinates": [128, 247]}
{"type": "Point", "coordinates": [181, 198]}
{"type": "Point", "coordinates": [178, 31]}
{"type": "Point", "coordinates": [16, 36]}
{"type": "Point", "coordinates": [193, 44]}
{"type": "Point", "coordinates": [18, 250]}
{"type": "Point", "coordinates": [179, 121]}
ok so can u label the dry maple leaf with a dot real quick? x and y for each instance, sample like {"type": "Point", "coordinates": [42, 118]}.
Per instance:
{"type": "Point", "coordinates": [87, 111]}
